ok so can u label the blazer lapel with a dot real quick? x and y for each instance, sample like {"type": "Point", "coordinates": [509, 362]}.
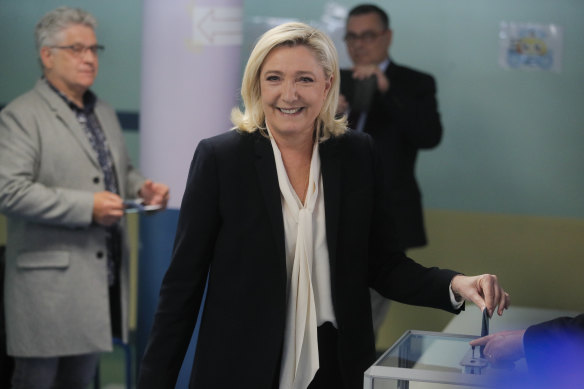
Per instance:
{"type": "Point", "coordinates": [330, 163]}
{"type": "Point", "coordinates": [268, 179]}
{"type": "Point", "coordinates": [66, 115]}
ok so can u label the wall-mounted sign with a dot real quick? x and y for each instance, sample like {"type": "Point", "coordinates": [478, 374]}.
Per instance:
{"type": "Point", "coordinates": [530, 46]}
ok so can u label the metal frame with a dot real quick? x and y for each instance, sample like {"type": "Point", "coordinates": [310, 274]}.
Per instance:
{"type": "Point", "coordinates": [405, 374]}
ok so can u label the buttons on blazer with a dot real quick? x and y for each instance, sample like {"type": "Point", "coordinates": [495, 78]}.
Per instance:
{"type": "Point", "coordinates": [96, 180]}
{"type": "Point", "coordinates": [99, 255]}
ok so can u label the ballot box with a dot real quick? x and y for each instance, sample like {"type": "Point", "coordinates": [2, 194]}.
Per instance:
{"type": "Point", "coordinates": [431, 360]}
{"type": "Point", "coordinates": [423, 359]}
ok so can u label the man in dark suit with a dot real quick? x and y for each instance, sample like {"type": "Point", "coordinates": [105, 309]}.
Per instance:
{"type": "Point", "coordinates": [397, 106]}
{"type": "Point", "coordinates": [554, 351]}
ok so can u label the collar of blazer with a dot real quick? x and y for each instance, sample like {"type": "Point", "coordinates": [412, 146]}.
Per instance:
{"type": "Point", "coordinates": [65, 115]}
{"type": "Point", "coordinates": [331, 176]}
{"type": "Point", "coordinates": [268, 179]}
{"type": "Point", "coordinates": [330, 164]}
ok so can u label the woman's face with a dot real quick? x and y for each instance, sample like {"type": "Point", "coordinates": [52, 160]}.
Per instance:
{"type": "Point", "coordinates": [293, 89]}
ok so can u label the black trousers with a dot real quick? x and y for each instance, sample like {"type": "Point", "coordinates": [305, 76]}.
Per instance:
{"type": "Point", "coordinates": [328, 375]}
{"type": "Point", "coordinates": [6, 362]}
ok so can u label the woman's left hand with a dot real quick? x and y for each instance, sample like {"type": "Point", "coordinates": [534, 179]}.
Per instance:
{"type": "Point", "coordinates": [483, 290]}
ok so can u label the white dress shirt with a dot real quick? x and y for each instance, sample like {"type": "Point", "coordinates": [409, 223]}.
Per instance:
{"type": "Point", "coordinates": [309, 299]}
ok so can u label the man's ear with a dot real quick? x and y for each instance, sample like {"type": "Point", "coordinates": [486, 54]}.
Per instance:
{"type": "Point", "coordinates": [46, 56]}
{"type": "Point", "coordinates": [390, 38]}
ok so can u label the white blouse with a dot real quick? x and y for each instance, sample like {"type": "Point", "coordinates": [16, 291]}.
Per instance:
{"type": "Point", "coordinates": [309, 299]}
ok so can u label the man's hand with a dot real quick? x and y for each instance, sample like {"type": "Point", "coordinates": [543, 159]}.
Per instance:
{"type": "Point", "coordinates": [343, 105]}
{"type": "Point", "coordinates": [108, 208]}
{"type": "Point", "coordinates": [154, 193]}
{"type": "Point", "coordinates": [483, 290]}
{"type": "Point", "coordinates": [502, 347]}
{"type": "Point", "coordinates": [361, 72]}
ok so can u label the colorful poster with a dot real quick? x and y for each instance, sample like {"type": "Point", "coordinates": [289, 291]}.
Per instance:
{"type": "Point", "coordinates": [529, 46]}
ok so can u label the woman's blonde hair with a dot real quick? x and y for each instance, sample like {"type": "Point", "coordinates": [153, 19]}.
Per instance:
{"type": "Point", "coordinates": [290, 34]}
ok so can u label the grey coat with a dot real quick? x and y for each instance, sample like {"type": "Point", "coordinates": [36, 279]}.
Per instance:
{"type": "Point", "coordinates": [56, 287]}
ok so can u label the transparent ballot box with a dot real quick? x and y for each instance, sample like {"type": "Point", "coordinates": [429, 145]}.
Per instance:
{"type": "Point", "coordinates": [422, 359]}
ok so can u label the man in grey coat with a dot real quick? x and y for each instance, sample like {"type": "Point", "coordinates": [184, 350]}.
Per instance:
{"type": "Point", "coordinates": [64, 172]}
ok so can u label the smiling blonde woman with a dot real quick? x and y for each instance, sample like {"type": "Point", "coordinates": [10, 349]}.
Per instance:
{"type": "Point", "coordinates": [283, 219]}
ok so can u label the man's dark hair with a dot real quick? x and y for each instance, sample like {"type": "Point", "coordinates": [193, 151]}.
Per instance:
{"type": "Point", "coordinates": [368, 9]}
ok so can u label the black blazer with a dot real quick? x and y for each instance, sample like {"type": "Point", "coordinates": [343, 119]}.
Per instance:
{"type": "Point", "coordinates": [402, 121]}
{"type": "Point", "coordinates": [554, 351]}
{"type": "Point", "coordinates": [231, 229]}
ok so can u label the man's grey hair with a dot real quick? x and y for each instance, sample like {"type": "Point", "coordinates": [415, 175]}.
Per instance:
{"type": "Point", "coordinates": [48, 30]}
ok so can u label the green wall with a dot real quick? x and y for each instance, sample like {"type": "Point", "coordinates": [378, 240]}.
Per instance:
{"type": "Point", "coordinates": [537, 259]}
{"type": "Point", "coordinates": [513, 138]}
{"type": "Point", "coordinates": [120, 30]}
{"type": "Point", "coordinates": [503, 191]}
{"type": "Point", "coordinates": [511, 156]}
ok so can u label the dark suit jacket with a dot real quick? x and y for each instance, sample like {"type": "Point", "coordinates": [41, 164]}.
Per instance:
{"type": "Point", "coordinates": [555, 351]}
{"type": "Point", "coordinates": [402, 121]}
{"type": "Point", "coordinates": [231, 229]}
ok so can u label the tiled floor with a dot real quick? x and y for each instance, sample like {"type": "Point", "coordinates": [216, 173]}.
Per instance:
{"type": "Point", "coordinates": [112, 370]}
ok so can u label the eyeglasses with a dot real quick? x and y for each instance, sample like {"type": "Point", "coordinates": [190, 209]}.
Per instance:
{"type": "Point", "coordinates": [366, 37]}
{"type": "Point", "coordinates": [79, 50]}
